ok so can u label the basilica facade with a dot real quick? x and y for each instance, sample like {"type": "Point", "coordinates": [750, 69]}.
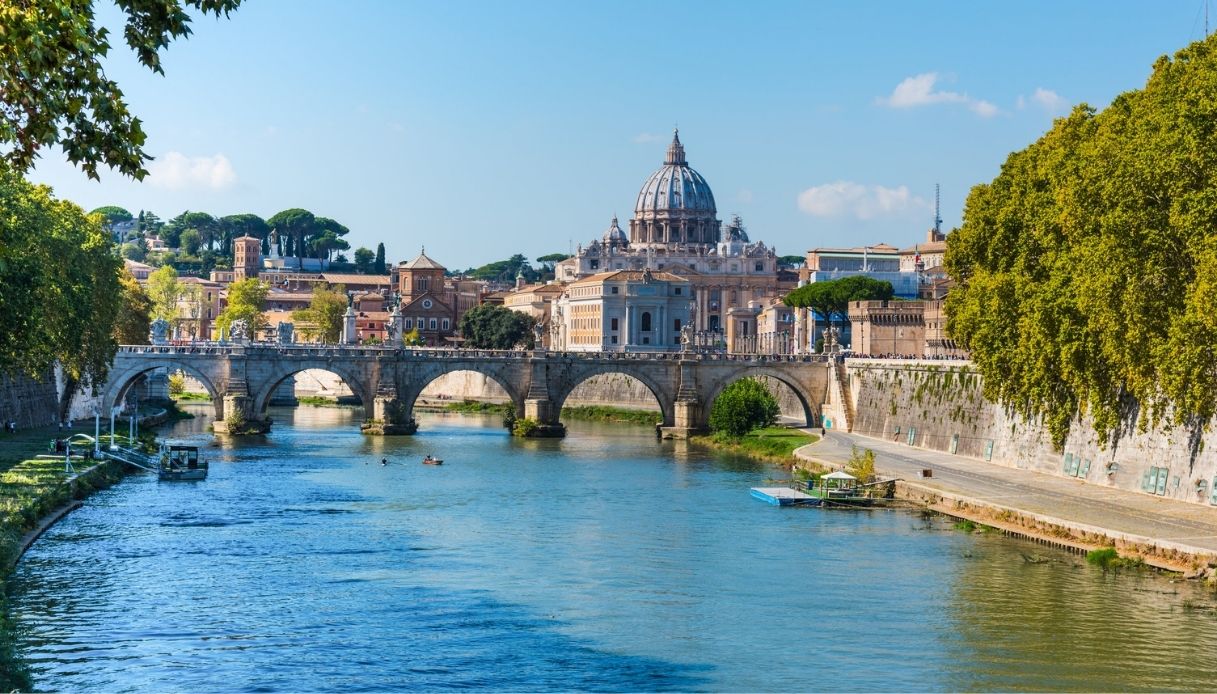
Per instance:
{"type": "Point", "coordinates": [675, 229]}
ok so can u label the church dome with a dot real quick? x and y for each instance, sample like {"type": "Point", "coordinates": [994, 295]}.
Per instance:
{"type": "Point", "coordinates": [675, 205]}
{"type": "Point", "coordinates": [676, 187]}
{"type": "Point", "coordinates": [615, 236]}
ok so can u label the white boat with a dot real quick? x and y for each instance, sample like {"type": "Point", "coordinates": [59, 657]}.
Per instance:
{"type": "Point", "coordinates": [181, 463]}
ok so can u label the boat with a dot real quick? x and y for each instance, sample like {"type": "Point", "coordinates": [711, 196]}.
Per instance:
{"type": "Point", "coordinates": [431, 460]}
{"type": "Point", "coordinates": [181, 464]}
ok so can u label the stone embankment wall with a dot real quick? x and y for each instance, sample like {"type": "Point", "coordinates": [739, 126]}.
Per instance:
{"type": "Point", "coordinates": [939, 405]}
{"type": "Point", "coordinates": [28, 402]}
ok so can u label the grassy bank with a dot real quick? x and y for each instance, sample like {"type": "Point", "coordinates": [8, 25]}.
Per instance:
{"type": "Point", "coordinates": [593, 413]}
{"type": "Point", "coordinates": [773, 444]}
{"type": "Point", "coordinates": [192, 397]}
{"type": "Point", "coordinates": [32, 488]}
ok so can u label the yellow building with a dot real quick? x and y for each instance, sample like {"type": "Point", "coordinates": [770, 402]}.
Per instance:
{"type": "Point", "coordinates": [623, 310]}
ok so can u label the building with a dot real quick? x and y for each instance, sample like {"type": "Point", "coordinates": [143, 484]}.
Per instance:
{"type": "Point", "coordinates": [429, 304]}
{"type": "Point", "coordinates": [675, 229]}
{"type": "Point", "coordinates": [139, 271]}
{"type": "Point", "coordinates": [927, 256]}
{"type": "Point", "coordinates": [246, 257]}
{"type": "Point", "coordinates": [904, 329]}
{"type": "Point", "coordinates": [536, 300]}
{"type": "Point", "coordinates": [622, 310]}
{"type": "Point", "coordinates": [881, 262]}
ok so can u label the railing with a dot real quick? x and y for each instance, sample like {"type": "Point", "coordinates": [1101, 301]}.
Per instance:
{"type": "Point", "coordinates": [426, 353]}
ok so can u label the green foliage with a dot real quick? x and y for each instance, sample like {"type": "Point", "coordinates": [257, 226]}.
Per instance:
{"type": "Point", "coordinates": [365, 259]}
{"type": "Point", "coordinates": [1087, 270]}
{"type": "Point", "coordinates": [323, 318]}
{"type": "Point", "coordinates": [524, 426]}
{"type": "Point", "coordinates": [133, 321]}
{"type": "Point", "coordinates": [965, 525]}
{"type": "Point", "coordinates": [743, 406]}
{"type": "Point", "coordinates": [505, 270]}
{"type": "Point", "coordinates": [111, 214]}
{"type": "Point", "coordinates": [246, 300]}
{"type": "Point", "coordinates": [861, 464]}
{"type": "Point", "coordinates": [136, 250]}
{"type": "Point", "coordinates": [165, 290]}
{"type": "Point", "coordinates": [189, 241]}
{"type": "Point", "coordinates": [177, 384]}
{"type": "Point", "coordinates": [1107, 558]}
{"type": "Point", "coordinates": [59, 284]}
{"type": "Point", "coordinates": [791, 261]}
{"type": "Point", "coordinates": [494, 327]}
{"type": "Point", "coordinates": [56, 91]}
{"type": "Point", "coordinates": [378, 266]}
{"type": "Point", "coordinates": [831, 298]}
{"type": "Point", "coordinates": [412, 338]}
{"type": "Point", "coordinates": [771, 443]}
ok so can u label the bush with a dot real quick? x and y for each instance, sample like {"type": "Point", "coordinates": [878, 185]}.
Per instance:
{"type": "Point", "coordinates": [524, 426]}
{"type": "Point", "coordinates": [743, 406]}
{"type": "Point", "coordinates": [177, 383]}
{"type": "Point", "coordinates": [861, 464]}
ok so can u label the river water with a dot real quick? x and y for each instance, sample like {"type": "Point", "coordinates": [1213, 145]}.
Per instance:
{"type": "Point", "coordinates": [603, 561]}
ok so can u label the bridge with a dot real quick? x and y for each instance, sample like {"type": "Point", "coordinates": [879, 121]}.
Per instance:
{"type": "Point", "coordinates": [242, 379]}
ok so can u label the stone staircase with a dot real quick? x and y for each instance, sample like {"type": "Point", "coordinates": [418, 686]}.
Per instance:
{"type": "Point", "coordinates": [839, 395]}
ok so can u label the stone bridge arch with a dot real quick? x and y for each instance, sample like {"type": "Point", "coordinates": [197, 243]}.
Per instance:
{"type": "Point", "coordinates": [417, 376]}
{"type": "Point", "coordinates": [809, 384]}
{"type": "Point", "coordinates": [657, 378]}
{"type": "Point", "coordinates": [355, 374]}
{"type": "Point", "coordinates": [126, 375]}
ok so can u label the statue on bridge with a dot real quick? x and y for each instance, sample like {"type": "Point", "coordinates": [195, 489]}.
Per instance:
{"type": "Point", "coordinates": [238, 331]}
{"type": "Point", "coordinates": [158, 332]}
{"type": "Point", "coordinates": [286, 332]}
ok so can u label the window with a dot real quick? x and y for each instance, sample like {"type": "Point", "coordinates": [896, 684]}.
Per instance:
{"type": "Point", "coordinates": [409, 324]}
{"type": "Point", "coordinates": [613, 325]}
{"type": "Point", "coordinates": [595, 264]}
{"type": "Point", "coordinates": [433, 323]}
{"type": "Point", "coordinates": [760, 266]}
{"type": "Point", "coordinates": [446, 324]}
{"type": "Point", "coordinates": [678, 291]}
{"type": "Point", "coordinates": [614, 339]}
{"type": "Point", "coordinates": [614, 290]}
{"type": "Point", "coordinates": [646, 340]}
{"type": "Point", "coordinates": [676, 325]}
{"type": "Point", "coordinates": [646, 321]}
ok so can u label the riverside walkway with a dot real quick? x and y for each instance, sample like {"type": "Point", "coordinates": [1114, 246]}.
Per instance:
{"type": "Point", "coordinates": [1141, 521]}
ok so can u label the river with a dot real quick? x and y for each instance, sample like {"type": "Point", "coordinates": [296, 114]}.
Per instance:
{"type": "Point", "coordinates": [604, 561]}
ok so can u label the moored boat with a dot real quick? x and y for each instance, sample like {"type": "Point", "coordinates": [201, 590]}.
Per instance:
{"type": "Point", "coordinates": [181, 463]}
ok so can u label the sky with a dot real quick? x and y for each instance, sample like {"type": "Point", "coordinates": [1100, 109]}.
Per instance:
{"type": "Point", "coordinates": [481, 129]}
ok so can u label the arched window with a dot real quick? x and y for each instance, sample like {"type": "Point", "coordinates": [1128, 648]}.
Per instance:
{"type": "Point", "coordinates": [646, 321]}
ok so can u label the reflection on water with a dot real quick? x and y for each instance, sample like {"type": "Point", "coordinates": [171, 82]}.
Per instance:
{"type": "Point", "coordinates": [604, 561]}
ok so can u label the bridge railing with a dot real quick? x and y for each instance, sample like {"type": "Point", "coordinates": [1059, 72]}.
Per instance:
{"type": "Point", "coordinates": [330, 351]}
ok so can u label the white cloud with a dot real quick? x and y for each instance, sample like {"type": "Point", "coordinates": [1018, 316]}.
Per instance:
{"type": "Point", "coordinates": [918, 90]}
{"type": "Point", "coordinates": [644, 138]}
{"type": "Point", "coordinates": [744, 195]}
{"type": "Point", "coordinates": [1048, 99]}
{"type": "Point", "coordinates": [176, 171]}
{"type": "Point", "coordinates": [846, 198]}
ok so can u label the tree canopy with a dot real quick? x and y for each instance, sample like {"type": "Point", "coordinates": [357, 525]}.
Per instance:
{"type": "Point", "coordinates": [831, 298]}
{"type": "Point", "coordinates": [60, 292]}
{"type": "Point", "coordinates": [505, 270]}
{"type": "Point", "coordinates": [246, 300]}
{"type": "Point", "coordinates": [56, 91]}
{"type": "Point", "coordinates": [490, 326]}
{"type": "Point", "coordinates": [322, 320]}
{"type": "Point", "coordinates": [1087, 270]}
{"type": "Point", "coordinates": [165, 290]}
{"type": "Point", "coordinates": [132, 324]}
{"type": "Point", "coordinates": [742, 407]}
{"type": "Point", "coordinates": [111, 214]}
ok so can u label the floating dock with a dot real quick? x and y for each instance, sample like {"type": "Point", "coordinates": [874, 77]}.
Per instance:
{"type": "Point", "coordinates": [785, 496]}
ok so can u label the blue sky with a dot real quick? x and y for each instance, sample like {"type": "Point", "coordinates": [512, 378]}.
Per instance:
{"type": "Point", "coordinates": [482, 129]}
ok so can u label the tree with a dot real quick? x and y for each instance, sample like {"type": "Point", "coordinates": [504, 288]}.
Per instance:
{"type": "Point", "coordinates": [412, 338]}
{"type": "Point", "coordinates": [379, 266]}
{"type": "Point", "coordinates": [133, 321]}
{"type": "Point", "coordinates": [548, 261]}
{"type": "Point", "coordinates": [56, 91]}
{"type": "Point", "coordinates": [1086, 270]}
{"type": "Point", "coordinates": [742, 407]}
{"type": "Point", "coordinates": [861, 464]}
{"type": "Point", "coordinates": [136, 250]}
{"type": "Point", "coordinates": [61, 293]}
{"type": "Point", "coordinates": [246, 299]}
{"type": "Point", "coordinates": [296, 224]}
{"type": "Point", "coordinates": [189, 241]}
{"type": "Point", "coordinates": [112, 214]}
{"type": "Point", "coordinates": [791, 261]}
{"type": "Point", "coordinates": [830, 299]}
{"type": "Point", "coordinates": [490, 326]}
{"type": "Point", "coordinates": [323, 318]}
{"type": "Point", "coordinates": [165, 291]}
{"type": "Point", "coordinates": [364, 260]}
{"type": "Point", "coordinates": [506, 270]}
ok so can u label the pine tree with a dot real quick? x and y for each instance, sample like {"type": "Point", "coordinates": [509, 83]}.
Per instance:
{"type": "Point", "coordinates": [379, 266]}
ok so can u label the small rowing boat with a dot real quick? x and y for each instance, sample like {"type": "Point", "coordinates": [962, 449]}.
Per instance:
{"type": "Point", "coordinates": [431, 460]}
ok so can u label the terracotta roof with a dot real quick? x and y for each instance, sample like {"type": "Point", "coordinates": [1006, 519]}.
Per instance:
{"type": "Point", "coordinates": [422, 262]}
{"type": "Point", "coordinates": [343, 278]}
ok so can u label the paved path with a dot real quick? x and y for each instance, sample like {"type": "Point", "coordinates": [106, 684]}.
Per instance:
{"type": "Point", "coordinates": [1119, 513]}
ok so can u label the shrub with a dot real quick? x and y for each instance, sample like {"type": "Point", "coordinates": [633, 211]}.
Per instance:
{"type": "Point", "coordinates": [177, 383]}
{"type": "Point", "coordinates": [861, 464]}
{"type": "Point", "coordinates": [524, 426]}
{"type": "Point", "coordinates": [743, 406]}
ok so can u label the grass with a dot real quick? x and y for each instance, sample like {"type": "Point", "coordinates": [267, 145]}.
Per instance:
{"type": "Point", "coordinates": [475, 407]}
{"type": "Point", "coordinates": [1108, 558]}
{"type": "Point", "coordinates": [775, 444]}
{"type": "Point", "coordinates": [318, 401]}
{"type": "Point", "coordinates": [200, 397]}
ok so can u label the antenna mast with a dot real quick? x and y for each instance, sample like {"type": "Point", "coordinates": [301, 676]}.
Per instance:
{"type": "Point", "coordinates": [937, 210]}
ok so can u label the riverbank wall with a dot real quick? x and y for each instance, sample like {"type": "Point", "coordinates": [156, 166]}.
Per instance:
{"type": "Point", "coordinates": [940, 406]}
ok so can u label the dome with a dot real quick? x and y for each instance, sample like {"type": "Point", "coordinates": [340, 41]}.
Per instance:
{"type": "Point", "coordinates": [615, 236]}
{"type": "Point", "coordinates": [675, 188]}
